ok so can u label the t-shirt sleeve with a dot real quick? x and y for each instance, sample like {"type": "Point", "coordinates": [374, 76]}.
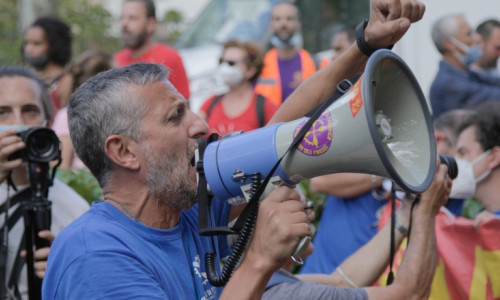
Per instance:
{"type": "Point", "coordinates": [99, 279]}
{"type": "Point", "coordinates": [313, 291]}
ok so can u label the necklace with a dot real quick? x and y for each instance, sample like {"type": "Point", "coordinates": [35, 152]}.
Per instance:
{"type": "Point", "coordinates": [194, 287]}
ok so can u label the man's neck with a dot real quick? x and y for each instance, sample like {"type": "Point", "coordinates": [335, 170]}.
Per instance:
{"type": "Point", "coordinates": [487, 192]}
{"type": "Point", "coordinates": [136, 53]}
{"type": "Point", "coordinates": [452, 60]}
{"type": "Point", "coordinates": [287, 53]}
{"type": "Point", "coordinates": [138, 203]}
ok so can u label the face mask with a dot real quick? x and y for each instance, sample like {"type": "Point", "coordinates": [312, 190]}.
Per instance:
{"type": "Point", "coordinates": [464, 186]}
{"type": "Point", "coordinates": [231, 75]}
{"type": "Point", "coordinates": [38, 62]}
{"type": "Point", "coordinates": [19, 128]}
{"type": "Point", "coordinates": [472, 54]}
{"type": "Point", "coordinates": [295, 40]}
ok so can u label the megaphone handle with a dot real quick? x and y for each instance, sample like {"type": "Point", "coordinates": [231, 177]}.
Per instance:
{"type": "Point", "coordinates": [299, 250]}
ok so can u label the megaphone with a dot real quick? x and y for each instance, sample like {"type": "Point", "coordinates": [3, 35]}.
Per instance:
{"type": "Point", "coordinates": [381, 126]}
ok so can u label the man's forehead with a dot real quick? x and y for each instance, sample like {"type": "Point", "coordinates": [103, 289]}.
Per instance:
{"type": "Point", "coordinates": [284, 8]}
{"type": "Point", "coordinates": [20, 85]}
{"type": "Point", "coordinates": [467, 139]}
{"type": "Point", "coordinates": [135, 8]}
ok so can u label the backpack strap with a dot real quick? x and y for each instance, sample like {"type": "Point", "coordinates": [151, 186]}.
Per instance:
{"type": "Point", "coordinates": [11, 282]}
{"type": "Point", "coordinates": [259, 105]}
{"type": "Point", "coordinates": [216, 100]}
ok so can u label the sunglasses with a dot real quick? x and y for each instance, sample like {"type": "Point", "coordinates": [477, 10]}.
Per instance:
{"type": "Point", "coordinates": [229, 62]}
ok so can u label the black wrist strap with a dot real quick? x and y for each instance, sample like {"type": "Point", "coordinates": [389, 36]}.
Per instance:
{"type": "Point", "coordinates": [360, 39]}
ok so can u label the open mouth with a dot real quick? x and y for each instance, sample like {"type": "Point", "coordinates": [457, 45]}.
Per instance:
{"type": "Point", "coordinates": [193, 160]}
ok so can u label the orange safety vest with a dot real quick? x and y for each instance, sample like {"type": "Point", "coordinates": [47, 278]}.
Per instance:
{"type": "Point", "coordinates": [269, 83]}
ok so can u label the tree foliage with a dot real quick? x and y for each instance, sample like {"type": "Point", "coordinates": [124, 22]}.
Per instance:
{"type": "Point", "coordinates": [10, 38]}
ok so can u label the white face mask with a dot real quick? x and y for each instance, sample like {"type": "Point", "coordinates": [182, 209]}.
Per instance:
{"type": "Point", "coordinates": [464, 186]}
{"type": "Point", "coordinates": [230, 75]}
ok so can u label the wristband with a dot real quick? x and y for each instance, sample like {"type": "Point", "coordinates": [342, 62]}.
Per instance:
{"type": "Point", "coordinates": [360, 39]}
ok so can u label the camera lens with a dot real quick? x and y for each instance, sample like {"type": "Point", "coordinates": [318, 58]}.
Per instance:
{"type": "Point", "coordinates": [449, 161]}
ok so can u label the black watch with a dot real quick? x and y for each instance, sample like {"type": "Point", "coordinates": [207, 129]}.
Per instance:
{"type": "Point", "coordinates": [360, 39]}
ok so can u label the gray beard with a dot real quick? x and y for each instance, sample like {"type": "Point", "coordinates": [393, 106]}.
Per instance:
{"type": "Point", "coordinates": [168, 180]}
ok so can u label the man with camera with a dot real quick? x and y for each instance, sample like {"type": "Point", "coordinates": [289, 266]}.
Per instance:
{"type": "Point", "coordinates": [24, 103]}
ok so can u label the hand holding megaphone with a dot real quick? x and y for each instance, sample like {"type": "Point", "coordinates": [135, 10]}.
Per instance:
{"type": "Point", "coordinates": [281, 222]}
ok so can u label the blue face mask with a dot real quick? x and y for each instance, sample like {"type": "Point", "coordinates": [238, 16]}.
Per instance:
{"type": "Point", "coordinates": [295, 40]}
{"type": "Point", "coordinates": [472, 54]}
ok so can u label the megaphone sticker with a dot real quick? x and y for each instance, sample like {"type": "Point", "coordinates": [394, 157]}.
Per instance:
{"type": "Point", "coordinates": [356, 102]}
{"type": "Point", "coordinates": [318, 138]}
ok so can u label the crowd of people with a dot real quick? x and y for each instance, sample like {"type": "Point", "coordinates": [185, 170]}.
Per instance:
{"type": "Point", "coordinates": [125, 117]}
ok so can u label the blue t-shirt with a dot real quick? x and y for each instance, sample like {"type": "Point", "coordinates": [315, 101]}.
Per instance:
{"type": "Point", "coordinates": [345, 225]}
{"type": "Point", "coordinates": [290, 75]}
{"type": "Point", "coordinates": [107, 255]}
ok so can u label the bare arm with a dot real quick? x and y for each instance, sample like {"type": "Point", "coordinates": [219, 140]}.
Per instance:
{"type": "Point", "coordinates": [344, 185]}
{"type": "Point", "coordinates": [365, 265]}
{"type": "Point", "coordinates": [414, 277]}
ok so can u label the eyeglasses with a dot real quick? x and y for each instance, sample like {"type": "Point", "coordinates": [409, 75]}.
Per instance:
{"type": "Point", "coordinates": [229, 62]}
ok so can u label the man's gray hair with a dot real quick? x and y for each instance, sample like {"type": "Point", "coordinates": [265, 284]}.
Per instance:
{"type": "Point", "coordinates": [106, 105]}
{"type": "Point", "coordinates": [443, 29]}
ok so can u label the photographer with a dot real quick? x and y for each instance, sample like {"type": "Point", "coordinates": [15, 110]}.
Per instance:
{"type": "Point", "coordinates": [24, 102]}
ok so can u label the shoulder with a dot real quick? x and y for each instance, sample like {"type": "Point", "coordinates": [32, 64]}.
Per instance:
{"type": "Point", "coordinates": [121, 56]}
{"type": "Point", "coordinates": [166, 50]}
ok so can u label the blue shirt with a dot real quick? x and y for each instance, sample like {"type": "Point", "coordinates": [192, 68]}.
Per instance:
{"type": "Point", "coordinates": [454, 88]}
{"type": "Point", "coordinates": [107, 255]}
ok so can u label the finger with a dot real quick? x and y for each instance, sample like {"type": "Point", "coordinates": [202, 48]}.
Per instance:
{"type": "Point", "coordinates": [8, 132]}
{"type": "Point", "coordinates": [23, 254]}
{"type": "Point", "coordinates": [41, 254]}
{"type": "Point", "coordinates": [394, 10]}
{"type": "Point", "coordinates": [46, 234]}
{"type": "Point", "coordinates": [8, 148]}
{"type": "Point", "coordinates": [40, 268]}
{"type": "Point", "coordinates": [406, 7]}
{"type": "Point", "coordinates": [283, 193]}
{"type": "Point", "coordinates": [418, 11]}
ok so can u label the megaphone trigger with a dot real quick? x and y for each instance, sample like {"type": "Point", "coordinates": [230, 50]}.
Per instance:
{"type": "Point", "coordinates": [299, 250]}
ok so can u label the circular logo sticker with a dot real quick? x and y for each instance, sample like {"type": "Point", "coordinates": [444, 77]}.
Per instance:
{"type": "Point", "coordinates": [318, 138]}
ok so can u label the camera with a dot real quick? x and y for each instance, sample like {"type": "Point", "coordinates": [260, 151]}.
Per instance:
{"type": "Point", "coordinates": [42, 145]}
{"type": "Point", "coordinates": [449, 161]}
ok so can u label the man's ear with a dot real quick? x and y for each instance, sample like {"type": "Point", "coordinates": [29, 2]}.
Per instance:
{"type": "Point", "coordinates": [151, 28]}
{"type": "Point", "coordinates": [122, 151]}
{"type": "Point", "coordinates": [495, 153]}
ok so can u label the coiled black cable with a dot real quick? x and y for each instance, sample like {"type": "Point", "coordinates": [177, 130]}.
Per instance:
{"type": "Point", "coordinates": [240, 244]}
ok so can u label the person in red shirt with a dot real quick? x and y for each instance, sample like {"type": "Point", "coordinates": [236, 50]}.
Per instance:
{"type": "Point", "coordinates": [241, 108]}
{"type": "Point", "coordinates": [138, 23]}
